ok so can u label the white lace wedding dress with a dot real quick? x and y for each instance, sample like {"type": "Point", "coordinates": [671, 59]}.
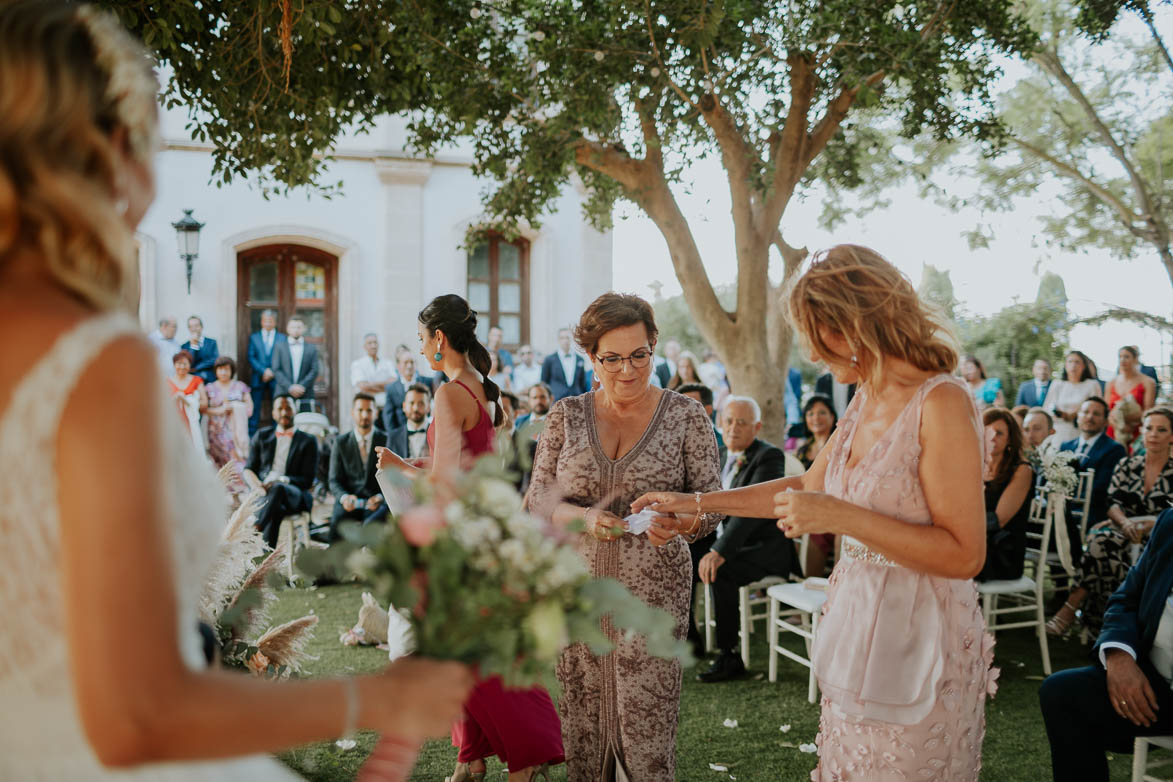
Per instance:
{"type": "Point", "coordinates": [41, 736]}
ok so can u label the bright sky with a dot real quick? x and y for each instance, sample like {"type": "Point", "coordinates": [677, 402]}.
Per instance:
{"type": "Point", "coordinates": [911, 233]}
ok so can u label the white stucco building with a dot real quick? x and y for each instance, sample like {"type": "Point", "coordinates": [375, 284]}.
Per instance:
{"type": "Point", "coordinates": [365, 260]}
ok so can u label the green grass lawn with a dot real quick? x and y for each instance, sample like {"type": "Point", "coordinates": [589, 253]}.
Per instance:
{"type": "Point", "coordinates": [755, 751]}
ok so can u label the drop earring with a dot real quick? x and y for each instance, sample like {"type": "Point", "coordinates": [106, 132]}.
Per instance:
{"type": "Point", "coordinates": [854, 361]}
{"type": "Point", "coordinates": [438, 356]}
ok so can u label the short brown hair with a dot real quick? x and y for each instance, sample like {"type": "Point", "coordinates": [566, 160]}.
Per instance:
{"type": "Point", "coordinates": [612, 311]}
{"type": "Point", "coordinates": [225, 361]}
{"type": "Point", "coordinates": [183, 355]}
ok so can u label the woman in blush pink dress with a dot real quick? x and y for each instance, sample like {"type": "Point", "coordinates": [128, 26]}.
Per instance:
{"type": "Point", "coordinates": [520, 727]}
{"type": "Point", "coordinates": [902, 655]}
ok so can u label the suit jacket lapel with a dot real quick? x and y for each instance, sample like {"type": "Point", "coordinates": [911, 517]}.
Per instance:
{"type": "Point", "coordinates": [751, 453]}
{"type": "Point", "coordinates": [269, 450]}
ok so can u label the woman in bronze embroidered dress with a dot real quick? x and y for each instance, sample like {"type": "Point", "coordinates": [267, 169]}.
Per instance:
{"type": "Point", "coordinates": [598, 452]}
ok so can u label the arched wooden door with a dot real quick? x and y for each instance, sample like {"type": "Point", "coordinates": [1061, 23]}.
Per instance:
{"type": "Point", "coordinates": [292, 279]}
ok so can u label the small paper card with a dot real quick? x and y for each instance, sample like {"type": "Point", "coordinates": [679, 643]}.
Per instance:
{"type": "Point", "coordinates": [639, 523]}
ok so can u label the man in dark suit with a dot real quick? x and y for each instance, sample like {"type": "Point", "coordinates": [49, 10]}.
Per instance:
{"type": "Point", "coordinates": [743, 549]}
{"type": "Point", "coordinates": [703, 394]}
{"type": "Point", "coordinates": [841, 394]}
{"type": "Point", "coordinates": [564, 371]}
{"type": "Point", "coordinates": [1033, 392]}
{"type": "Point", "coordinates": [410, 440]}
{"type": "Point", "coordinates": [353, 464]}
{"type": "Point", "coordinates": [393, 415]}
{"type": "Point", "coordinates": [295, 365]}
{"type": "Point", "coordinates": [261, 380]}
{"type": "Point", "coordinates": [203, 350]}
{"type": "Point", "coordinates": [1096, 451]}
{"type": "Point", "coordinates": [1103, 708]}
{"type": "Point", "coordinates": [283, 460]}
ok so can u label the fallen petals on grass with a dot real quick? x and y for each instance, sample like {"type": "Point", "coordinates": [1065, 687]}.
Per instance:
{"type": "Point", "coordinates": [785, 728]}
{"type": "Point", "coordinates": [807, 748]}
{"type": "Point", "coordinates": [345, 744]}
{"type": "Point", "coordinates": [730, 723]}
{"type": "Point", "coordinates": [718, 767]}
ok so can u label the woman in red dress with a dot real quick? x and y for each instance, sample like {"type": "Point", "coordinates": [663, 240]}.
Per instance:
{"type": "Point", "coordinates": [191, 400]}
{"type": "Point", "coordinates": [520, 727]}
{"type": "Point", "coordinates": [1130, 382]}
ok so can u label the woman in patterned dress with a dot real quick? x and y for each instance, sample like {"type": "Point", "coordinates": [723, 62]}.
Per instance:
{"type": "Point", "coordinates": [1142, 487]}
{"type": "Point", "coordinates": [902, 656]}
{"type": "Point", "coordinates": [230, 405]}
{"type": "Point", "coordinates": [598, 452]}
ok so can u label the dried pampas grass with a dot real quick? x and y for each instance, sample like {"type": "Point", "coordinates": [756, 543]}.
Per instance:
{"type": "Point", "coordinates": [257, 581]}
{"type": "Point", "coordinates": [240, 545]}
{"type": "Point", "coordinates": [285, 644]}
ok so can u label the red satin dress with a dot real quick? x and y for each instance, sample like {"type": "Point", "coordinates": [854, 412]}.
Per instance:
{"type": "Point", "coordinates": [521, 727]}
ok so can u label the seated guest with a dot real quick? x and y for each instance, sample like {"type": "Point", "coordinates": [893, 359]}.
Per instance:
{"type": "Point", "coordinates": [1102, 708]}
{"type": "Point", "coordinates": [526, 372]}
{"type": "Point", "coordinates": [1096, 451]}
{"type": "Point", "coordinates": [498, 373]}
{"type": "Point", "coordinates": [1033, 393]}
{"type": "Point", "coordinates": [371, 374]}
{"type": "Point", "coordinates": [1008, 481]}
{"type": "Point", "coordinates": [564, 371]}
{"type": "Point", "coordinates": [230, 406]}
{"type": "Point", "coordinates": [1077, 383]}
{"type": "Point", "coordinates": [283, 460]}
{"type": "Point", "coordinates": [190, 398]}
{"type": "Point", "coordinates": [742, 549]}
{"type": "Point", "coordinates": [392, 412]}
{"type": "Point", "coordinates": [820, 420]}
{"type": "Point", "coordinates": [1124, 424]}
{"type": "Point", "coordinates": [509, 405]}
{"type": "Point", "coordinates": [687, 371]}
{"type": "Point", "coordinates": [703, 394]}
{"type": "Point", "coordinates": [1130, 382]}
{"type": "Point", "coordinates": [1141, 488]}
{"type": "Point", "coordinates": [295, 365]}
{"type": "Point", "coordinates": [527, 431]}
{"type": "Point", "coordinates": [352, 468]}
{"type": "Point", "coordinates": [987, 391]}
{"type": "Point", "coordinates": [1038, 429]}
{"type": "Point", "coordinates": [410, 440]}
{"type": "Point", "coordinates": [203, 350]}
{"type": "Point", "coordinates": [1019, 412]}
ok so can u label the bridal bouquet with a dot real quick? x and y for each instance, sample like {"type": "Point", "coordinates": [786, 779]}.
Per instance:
{"type": "Point", "coordinates": [483, 582]}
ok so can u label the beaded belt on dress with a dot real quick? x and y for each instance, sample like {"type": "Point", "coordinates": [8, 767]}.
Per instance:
{"type": "Point", "coordinates": [865, 554]}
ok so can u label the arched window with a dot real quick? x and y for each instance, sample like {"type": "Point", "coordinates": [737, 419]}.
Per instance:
{"type": "Point", "coordinates": [498, 289]}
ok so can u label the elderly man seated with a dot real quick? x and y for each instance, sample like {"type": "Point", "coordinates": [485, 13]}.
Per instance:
{"type": "Point", "coordinates": [1103, 708]}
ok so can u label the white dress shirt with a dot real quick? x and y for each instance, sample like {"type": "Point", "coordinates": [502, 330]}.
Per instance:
{"type": "Point", "coordinates": [1161, 654]}
{"type": "Point", "coordinates": [296, 349]}
{"type": "Point", "coordinates": [1086, 444]}
{"type": "Point", "coordinates": [280, 456]}
{"type": "Point", "coordinates": [267, 337]}
{"type": "Point", "coordinates": [526, 376]}
{"type": "Point", "coordinates": [839, 397]}
{"type": "Point", "coordinates": [167, 349]}
{"type": "Point", "coordinates": [568, 363]}
{"type": "Point", "coordinates": [368, 370]}
{"type": "Point", "coordinates": [417, 440]}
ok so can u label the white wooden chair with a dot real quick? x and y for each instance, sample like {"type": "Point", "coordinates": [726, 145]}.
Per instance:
{"type": "Point", "coordinates": [1081, 503]}
{"type": "Point", "coordinates": [1140, 758]}
{"type": "Point", "coordinates": [1024, 595]}
{"type": "Point", "coordinates": [747, 604]}
{"type": "Point", "coordinates": [807, 603]}
{"type": "Point", "coordinates": [294, 535]}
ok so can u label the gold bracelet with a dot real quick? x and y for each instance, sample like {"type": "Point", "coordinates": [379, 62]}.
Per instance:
{"type": "Point", "coordinates": [697, 495]}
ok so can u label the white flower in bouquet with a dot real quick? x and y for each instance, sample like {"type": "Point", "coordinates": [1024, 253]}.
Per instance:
{"type": "Point", "coordinates": [523, 525]}
{"type": "Point", "coordinates": [476, 533]}
{"type": "Point", "coordinates": [498, 498]}
{"type": "Point", "coordinates": [547, 623]}
{"type": "Point", "coordinates": [455, 513]}
{"type": "Point", "coordinates": [1059, 471]}
{"type": "Point", "coordinates": [520, 557]}
{"type": "Point", "coordinates": [566, 568]}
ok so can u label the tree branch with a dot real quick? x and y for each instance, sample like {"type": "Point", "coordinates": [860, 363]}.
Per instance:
{"type": "Point", "coordinates": [1049, 61]}
{"type": "Point", "coordinates": [613, 162]}
{"type": "Point", "coordinates": [647, 125]}
{"type": "Point", "coordinates": [828, 125]}
{"type": "Point", "coordinates": [1147, 15]}
{"type": "Point", "coordinates": [788, 154]}
{"type": "Point", "coordinates": [1127, 216]}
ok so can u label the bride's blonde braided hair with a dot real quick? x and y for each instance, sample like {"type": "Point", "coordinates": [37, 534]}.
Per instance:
{"type": "Point", "coordinates": [70, 76]}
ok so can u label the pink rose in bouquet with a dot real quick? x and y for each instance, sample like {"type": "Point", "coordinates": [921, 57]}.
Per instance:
{"type": "Point", "coordinates": [420, 524]}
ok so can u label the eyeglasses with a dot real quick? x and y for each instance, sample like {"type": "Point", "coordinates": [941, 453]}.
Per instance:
{"type": "Point", "coordinates": [639, 359]}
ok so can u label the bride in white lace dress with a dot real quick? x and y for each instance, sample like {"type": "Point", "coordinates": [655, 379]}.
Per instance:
{"type": "Point", "coordinates": [108, 524]}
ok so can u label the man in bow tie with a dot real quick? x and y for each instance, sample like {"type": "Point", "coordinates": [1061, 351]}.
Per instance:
{"type": "Point", "coordinates": [353, 464]}
{"type": "Point", "coordinates": [283, 460]}
{"type": "Point", "coordinates": [742, 550]}
{"type": "Point", "coordinates": [295, 365]}
{"type": "Point", "coordinates": [410, 439]}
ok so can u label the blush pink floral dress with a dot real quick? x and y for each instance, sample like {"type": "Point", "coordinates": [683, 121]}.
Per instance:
{"type": "Point", "coordinates": [902, 657]}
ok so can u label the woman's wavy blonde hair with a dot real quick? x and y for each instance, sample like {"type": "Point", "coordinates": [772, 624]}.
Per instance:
{"type": "Point", "coordinates": [70, 76]}
{"type": "Point", "coordinates": [854, 292]}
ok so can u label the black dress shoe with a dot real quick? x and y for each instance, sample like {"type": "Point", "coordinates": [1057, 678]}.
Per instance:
{"type": "Point", "coordinates": [726, 667]}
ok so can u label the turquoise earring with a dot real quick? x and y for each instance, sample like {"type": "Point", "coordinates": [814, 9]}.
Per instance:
{"type": "Point", "coordinates": [438, 356]}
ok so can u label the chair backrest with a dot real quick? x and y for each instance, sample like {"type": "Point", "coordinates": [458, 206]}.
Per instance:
{"type": "Point", "coordinates": [1038, 540]}
{"type": "Point", "coordinates": [312, 423]}
{"type": "Point", "coordinates": [1082, 501]}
